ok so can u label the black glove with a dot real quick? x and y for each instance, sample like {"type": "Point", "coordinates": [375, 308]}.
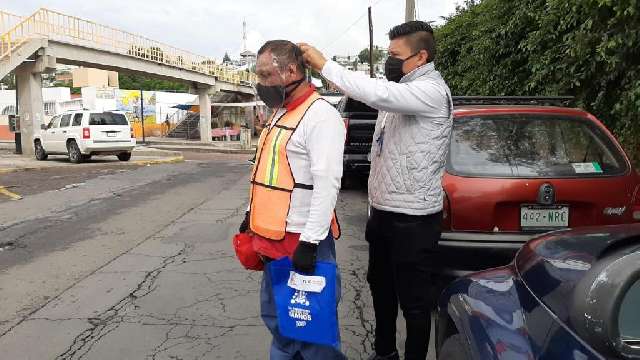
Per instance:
{"type": "Point", "coordinates": [245, 224]}
{"type": "Point", "coordinates": [304, 257]}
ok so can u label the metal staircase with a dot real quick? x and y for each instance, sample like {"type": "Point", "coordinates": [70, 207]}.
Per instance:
{"type": "Point", "coordinates": [188, 128]}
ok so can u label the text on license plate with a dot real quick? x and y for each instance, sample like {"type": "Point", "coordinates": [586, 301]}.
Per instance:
{"type": "Point", "coordinates": [112, 134]}
{"type": "Point", "coordinates": [544, 217]}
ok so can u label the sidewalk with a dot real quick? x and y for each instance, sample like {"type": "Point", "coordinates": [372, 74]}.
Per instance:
{"type": "Point", "coordinates": [225, 147]}
{"type": "Point", "coordinates": [10, 162]}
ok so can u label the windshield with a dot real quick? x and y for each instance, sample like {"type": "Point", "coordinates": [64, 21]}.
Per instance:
{"type": "Point", "coordinates": [107, 118]}
{"type": "Point", "coordinates": [531, 145]}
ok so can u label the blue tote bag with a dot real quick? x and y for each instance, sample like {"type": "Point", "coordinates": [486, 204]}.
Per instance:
{"type": "Point", "coordinates": [306, 305]}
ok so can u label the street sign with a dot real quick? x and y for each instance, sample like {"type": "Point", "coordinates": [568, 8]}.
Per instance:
{"type": "Point", "coordinates": [14, 123]}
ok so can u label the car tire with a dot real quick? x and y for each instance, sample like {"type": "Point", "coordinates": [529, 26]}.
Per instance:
{"type": "Point", "coordinates": [41, 154]}
{"type": "Point", "coordinates": [125, 156]}
{"type": "Point", "coordinates": [75, 156]}
{"type": "Point", "coordinates": [455, 348]}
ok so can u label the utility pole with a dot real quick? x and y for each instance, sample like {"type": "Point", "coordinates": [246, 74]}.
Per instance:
{"type": "Point", "coordinates": [144, 140]}
{"type": "Point", "coordinates": [370, 44]}
{"type": "Point", "coordinates": [410, 10]}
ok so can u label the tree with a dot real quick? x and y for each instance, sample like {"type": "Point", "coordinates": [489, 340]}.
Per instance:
{"type": "Point", "coordinates": [588, 49]}
{"type": "Point", "coordinates": [9, 81]}
{"type": "Point", "coordinates": [134, 82]}
{"type": "Point", "coordinates": [226, 59]}
{"type": "Point", "coordinates": [363, 56]}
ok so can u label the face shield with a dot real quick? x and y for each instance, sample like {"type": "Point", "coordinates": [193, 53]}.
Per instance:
{"type": "Point", "coordinates": [274, 96]}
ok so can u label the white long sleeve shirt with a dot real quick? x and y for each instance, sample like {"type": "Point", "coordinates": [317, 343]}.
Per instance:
{"type": "Point", "coordinates": [315, 153]}
{"type": "Point", "coordinates": [411, 138]}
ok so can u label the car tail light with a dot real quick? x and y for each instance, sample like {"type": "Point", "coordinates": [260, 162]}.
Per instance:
{"type": "Point", "coordinates": [635, 209]}
{"type": "Point", "coordinates": [86, 133]}
{"type": "Point", "coordinates": [446, 213]}
{"type": "Point", "coordinates": [346, 126]}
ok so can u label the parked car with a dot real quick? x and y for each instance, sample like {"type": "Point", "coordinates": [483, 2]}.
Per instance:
{"type": "Point", "coordinates": [360, 121]}
{"type": "Point", "coordinates": [569, 294]}
{"type": "Point", "coordinates": [82, 134]}
{"type": "Point", "coordinates": [518, 167]}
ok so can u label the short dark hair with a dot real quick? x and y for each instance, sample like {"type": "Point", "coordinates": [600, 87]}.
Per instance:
{"type": "Point", "coordinates": [286, 52]}
{"type": "Point", "coordinates": [419, 35]}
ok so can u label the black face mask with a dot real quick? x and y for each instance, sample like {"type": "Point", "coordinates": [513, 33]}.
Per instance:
{"type": "Point", "coordinates": [275, 95]}
{"type": "Point", "coordinates": [393, 67]}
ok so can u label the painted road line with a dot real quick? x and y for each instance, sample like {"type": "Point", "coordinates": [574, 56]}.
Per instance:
{"type": "Point", "coordinates": [11, 195]}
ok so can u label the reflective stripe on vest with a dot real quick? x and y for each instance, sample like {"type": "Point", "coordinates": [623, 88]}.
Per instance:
{"type": "Point", "coordinates": [272, 180]}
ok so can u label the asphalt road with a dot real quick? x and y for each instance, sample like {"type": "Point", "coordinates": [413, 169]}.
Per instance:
{"type": "Point", "coordinates": [137, 263]}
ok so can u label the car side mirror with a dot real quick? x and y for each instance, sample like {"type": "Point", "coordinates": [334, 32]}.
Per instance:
{"type": "Point", "coordinates": [598, 303]}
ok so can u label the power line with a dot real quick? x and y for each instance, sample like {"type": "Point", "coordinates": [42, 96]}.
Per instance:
{"type": "Point", "coordinates": [344, 32]}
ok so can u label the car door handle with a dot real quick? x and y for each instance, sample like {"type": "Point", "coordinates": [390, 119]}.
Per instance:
{"type": "Point", "coordinates": [64, 132]}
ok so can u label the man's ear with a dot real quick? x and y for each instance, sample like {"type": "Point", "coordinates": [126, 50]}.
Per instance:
{"type": "Point", "coordinates": [292, 70]}
{"type": "Point", "coordinates": [424, 55]}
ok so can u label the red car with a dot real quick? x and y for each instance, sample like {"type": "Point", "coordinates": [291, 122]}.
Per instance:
{"type": "Point", "coordinates": [519, 166]}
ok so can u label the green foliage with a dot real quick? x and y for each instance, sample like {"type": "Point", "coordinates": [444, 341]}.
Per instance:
{"type": "Point", "coordinates": [589, 49]}
{"type": "Point", "coordinates": [9, 81]}
{"type": "Point", "coordinates": [363, 56]}
{"type": "Point", "coordinates": [133, 82]}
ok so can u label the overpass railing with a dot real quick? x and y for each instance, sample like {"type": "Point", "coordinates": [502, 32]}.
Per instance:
{"type": "Point", "coordinates": [8, 20]}
{"type": "Point", "coordinates": [52, 25]}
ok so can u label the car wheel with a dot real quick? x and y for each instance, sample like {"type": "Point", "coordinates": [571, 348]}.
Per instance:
{"type": "Point", "coordinates": [39, 150]}
{"type": "Point", "coordinates": [125, 156]}
{"type": "Point", "coordinates": [75, 156]}
{"type": "Point", "coordinates": [455, 348]}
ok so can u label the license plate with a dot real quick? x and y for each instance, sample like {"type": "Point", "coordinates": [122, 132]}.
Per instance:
{"type": "Point", "coordinates": [112, 134]}
{"type": "Point", "coordinates": [544, 217]}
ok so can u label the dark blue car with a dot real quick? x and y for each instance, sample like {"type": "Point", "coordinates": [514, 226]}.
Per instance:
{"type": "Point", "coordinates": [571, 294]}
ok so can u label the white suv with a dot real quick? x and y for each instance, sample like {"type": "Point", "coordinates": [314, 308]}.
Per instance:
{"type": "Point", "coordinates": [81, 134]}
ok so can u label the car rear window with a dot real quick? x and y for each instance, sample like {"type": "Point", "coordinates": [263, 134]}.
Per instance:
{"type": "Point", "coordinates": [531, 145]}
{"type": "Point", "coordinates": [107, 119]}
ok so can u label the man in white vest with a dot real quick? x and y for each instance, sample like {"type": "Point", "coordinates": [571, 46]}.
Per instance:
{"type": "Point", "coordinates": [408, 155]}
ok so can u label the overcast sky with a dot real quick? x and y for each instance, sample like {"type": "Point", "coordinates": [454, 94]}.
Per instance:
{"type": "Point", "coordinates": [211, 27]}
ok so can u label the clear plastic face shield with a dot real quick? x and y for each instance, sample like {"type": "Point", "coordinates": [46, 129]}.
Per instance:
{"type": "Point", "coordinates": [272, 87]}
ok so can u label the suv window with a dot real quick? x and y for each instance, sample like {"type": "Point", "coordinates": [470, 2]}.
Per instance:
{"type": "Point", "coordinates": [530, 145]}
{"type": "Point", "coordinates": [54, 122]}
{"type": "Point", "coordinates": [64, 122]}
{"type": "Point", "coordinates": [352, 105]}
{"type": "Point", "coordinates": [77, 119]}
{"type": "Point", "coordinates": [107, 118]}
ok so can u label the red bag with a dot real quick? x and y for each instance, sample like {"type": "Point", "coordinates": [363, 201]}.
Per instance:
{"type": "Point", "coordinates": [243, 244]}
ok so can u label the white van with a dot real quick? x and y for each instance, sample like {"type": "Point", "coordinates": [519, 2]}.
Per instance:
{"type": "Point", "coordinates": [82, 134]}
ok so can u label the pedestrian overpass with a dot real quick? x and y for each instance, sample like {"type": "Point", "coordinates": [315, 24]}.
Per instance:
{"type": "Point", "coordinates": [33, 45]}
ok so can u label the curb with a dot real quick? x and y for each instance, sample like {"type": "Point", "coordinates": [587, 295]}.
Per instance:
{"type": "Point", "coordinates": [208, 150]}
{"type": "Point", "coordinates": [156, 153]}
{"type": "Point", "coordinates": [170, 160]}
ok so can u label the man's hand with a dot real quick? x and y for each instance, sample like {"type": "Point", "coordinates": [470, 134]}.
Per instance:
{"type": "Point", "coordinates": [312, 56]}
{"type": "Point", "coordinates": [304, 257]}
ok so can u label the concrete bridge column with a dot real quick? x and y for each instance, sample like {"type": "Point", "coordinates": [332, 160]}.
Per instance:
{"type": "Point", "coordinates": [205, 114]}
{"type": "Point", "coordinates": [30, 104]}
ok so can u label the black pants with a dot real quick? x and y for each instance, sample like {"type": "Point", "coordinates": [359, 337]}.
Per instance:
{"type": "Point", "coordinates": [400, 251]}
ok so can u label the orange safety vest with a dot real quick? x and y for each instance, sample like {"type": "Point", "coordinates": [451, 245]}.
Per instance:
{"type": "Point", "coordinates": [272, 181]}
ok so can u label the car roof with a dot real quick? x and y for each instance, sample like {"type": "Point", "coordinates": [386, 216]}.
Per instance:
{"type": "Point", "coordinates": [466, 110]}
